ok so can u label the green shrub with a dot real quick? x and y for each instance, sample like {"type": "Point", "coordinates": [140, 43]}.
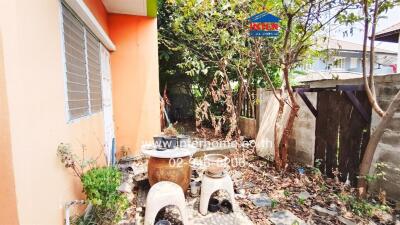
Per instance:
{"type": "Point", "coordinates": [100, 186]}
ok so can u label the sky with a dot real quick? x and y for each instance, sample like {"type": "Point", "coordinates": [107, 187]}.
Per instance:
{"type": "Point", "coordinates": [392, 17]}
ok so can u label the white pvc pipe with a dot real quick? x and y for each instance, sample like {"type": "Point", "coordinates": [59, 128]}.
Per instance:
{"type": "Point", "coordinates": [69, 204]}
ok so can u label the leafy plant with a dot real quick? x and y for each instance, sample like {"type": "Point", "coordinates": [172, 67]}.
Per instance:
{"type": "Point", "coordinates": [301, 201]}
{"type": "Point", "coordinates": [100, 186]}
{"type": "Point", "coordinates": [171, 131]}
{"type": "Point", "coordinates": [316, 169]}
{"type": "Point", "coordinates": [379, 174]}
{"type": "Point", "coordinates": [361, 207]}
{"type": "Point", "coordinates": [70, 160]}
{"type": "Point", "coordinates": [205, 45]}
{"type": "Point", "coordinates": [274, 203]}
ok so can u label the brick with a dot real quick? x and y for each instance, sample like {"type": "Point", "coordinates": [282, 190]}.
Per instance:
{"type": "Point", "coordinates": [388, 91]}
{"type": "Point", "coordinates": [391, 138]}
{"type": "Point", "coordinates": [395, 124]}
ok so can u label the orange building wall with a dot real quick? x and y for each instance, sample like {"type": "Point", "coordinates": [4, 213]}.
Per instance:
{"type": "Point", "coordinates": [35, 185]}
{"type": "Point", "coordinates": [134, 67]}
{"type": "Point", "coordinates": [99, 11]}
{"type": "Point", "coordinates": [35, 87]}
{"type": "Point", "coordinates": [8, 214]}
{"type": "Point", "coordinates": [135, 83]}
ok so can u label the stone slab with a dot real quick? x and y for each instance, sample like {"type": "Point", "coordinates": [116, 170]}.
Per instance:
{"type": "Point", "coordinates": [285, 217]}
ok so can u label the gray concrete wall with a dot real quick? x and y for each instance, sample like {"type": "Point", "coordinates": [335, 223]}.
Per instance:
{"type": "Point", "coordinates": [302, 141]}
{"type": "Point", "coordinates": [388, 150]}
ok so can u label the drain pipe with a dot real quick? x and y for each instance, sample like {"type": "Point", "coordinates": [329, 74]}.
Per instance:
{"type": "Point", "coordinates": [68, 205]}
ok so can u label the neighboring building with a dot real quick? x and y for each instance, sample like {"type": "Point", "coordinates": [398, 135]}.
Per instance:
{"type": "Point", "coordinates": [343, 60]}
{"type": "Point", "coordinates": [391, 34]}
{"type": "Point", "coordinates": [74, 71]}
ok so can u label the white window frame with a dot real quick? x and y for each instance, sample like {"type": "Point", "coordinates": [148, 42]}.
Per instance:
{"type": "Point", "coordinates": [306, 67]}
{"type": "Point", "coordinates": [336, 66]}
{"type": "Point", "coordinates": [86, 31]}
{"type": "Point", "coordinates": [354, 63]}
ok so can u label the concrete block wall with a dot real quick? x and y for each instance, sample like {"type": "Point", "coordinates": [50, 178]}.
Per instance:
{"type": "Point", "coordinates": [388, 150]}
{"type": "Point", "coordinates": [302, 141]}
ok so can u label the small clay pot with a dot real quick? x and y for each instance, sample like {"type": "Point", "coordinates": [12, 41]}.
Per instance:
{"type": "Point", "coordinates": [216, 164]}
{"type": "Point", "coordinates": [195, 188]}
{"type": "Point", "coordinates": [213, 205]}
{"type": "Point", "coordinates": [163, 222]}
{"type": "Point", "coordinates": [226, 207]}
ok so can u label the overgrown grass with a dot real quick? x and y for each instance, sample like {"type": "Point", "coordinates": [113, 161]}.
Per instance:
{"type": "Point", "coordinates": [362, 207]}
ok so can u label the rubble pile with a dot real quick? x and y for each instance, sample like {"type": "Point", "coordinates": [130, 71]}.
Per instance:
{"type": "Point", "coordinates": [134, 174]}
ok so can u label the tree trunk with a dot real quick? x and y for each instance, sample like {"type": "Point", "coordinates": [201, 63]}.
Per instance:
{"type": "Point", "coordinates": [292, 116]}
{"type": "Point", "coordinates": [373, 143]}
{"type": "Point", "coordinates": [230, 106]}
{"type": "Point", "coordinates": [286, 134]}
{"type": "Point", "coordinates": [370, 93]}
{"type": "Point", "coordinates": [277, 155]}
{"type": "Point", "coordinates": [239, 101]}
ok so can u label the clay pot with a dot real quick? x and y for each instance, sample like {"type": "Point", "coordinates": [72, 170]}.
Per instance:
{"type": "Point", "coordinates": [195, 188]}
{"type": "Point", "coordinates": [163, 222]}
{"type": "Point", "coordinates": [174, 170]}
{"type": "Point", "coordinates": [226, 207]}
{"type": "Point", "coordinates": [217, 164]}
{"type": "Point", "coordinates": [213, 205]}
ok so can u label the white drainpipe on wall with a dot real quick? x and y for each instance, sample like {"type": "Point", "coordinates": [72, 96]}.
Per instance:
{"type": "Point", "coordinates": [68, 205]}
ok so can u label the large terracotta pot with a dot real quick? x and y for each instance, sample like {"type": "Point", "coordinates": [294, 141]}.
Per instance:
{"type": "Point", "coordinates": [175, 170]}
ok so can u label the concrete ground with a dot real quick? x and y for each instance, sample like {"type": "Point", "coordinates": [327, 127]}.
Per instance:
{"type": "Point", "coordinates": [172, 214]}
{"type": "Point", "coordinates": [238, 217]}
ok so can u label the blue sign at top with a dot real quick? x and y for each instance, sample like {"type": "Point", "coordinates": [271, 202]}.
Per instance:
{"type": "Point", "coordinates": [264, 25]}
{"type": "Point", "coordinates": [264, 17]}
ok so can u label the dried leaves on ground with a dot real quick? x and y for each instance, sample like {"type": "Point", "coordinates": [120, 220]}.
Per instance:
{"type": "Point", "coordinates": [303, 191]}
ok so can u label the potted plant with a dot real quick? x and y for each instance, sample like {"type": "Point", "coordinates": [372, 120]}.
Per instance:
{"type": "Point", "coordinates": [170, 138]}
{"type": "Point", "coordinates": [158, 141]}
{"type": "Point", "coordinates": [100, 184]}
{"type": "Point", "coordinates": [183, 140]}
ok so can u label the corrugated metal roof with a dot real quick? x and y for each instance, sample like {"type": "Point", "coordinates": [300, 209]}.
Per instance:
{"type": "Point", "coordinates": [329, 75]}
{"type": "Point", "coordinates": [326, 75]}
{"type": "Point", "coordinates": [350, 46]}
{"type": "Point", "coordinates": [392, 29]}
{"type": "Point", "coordinates": [390, 34]}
